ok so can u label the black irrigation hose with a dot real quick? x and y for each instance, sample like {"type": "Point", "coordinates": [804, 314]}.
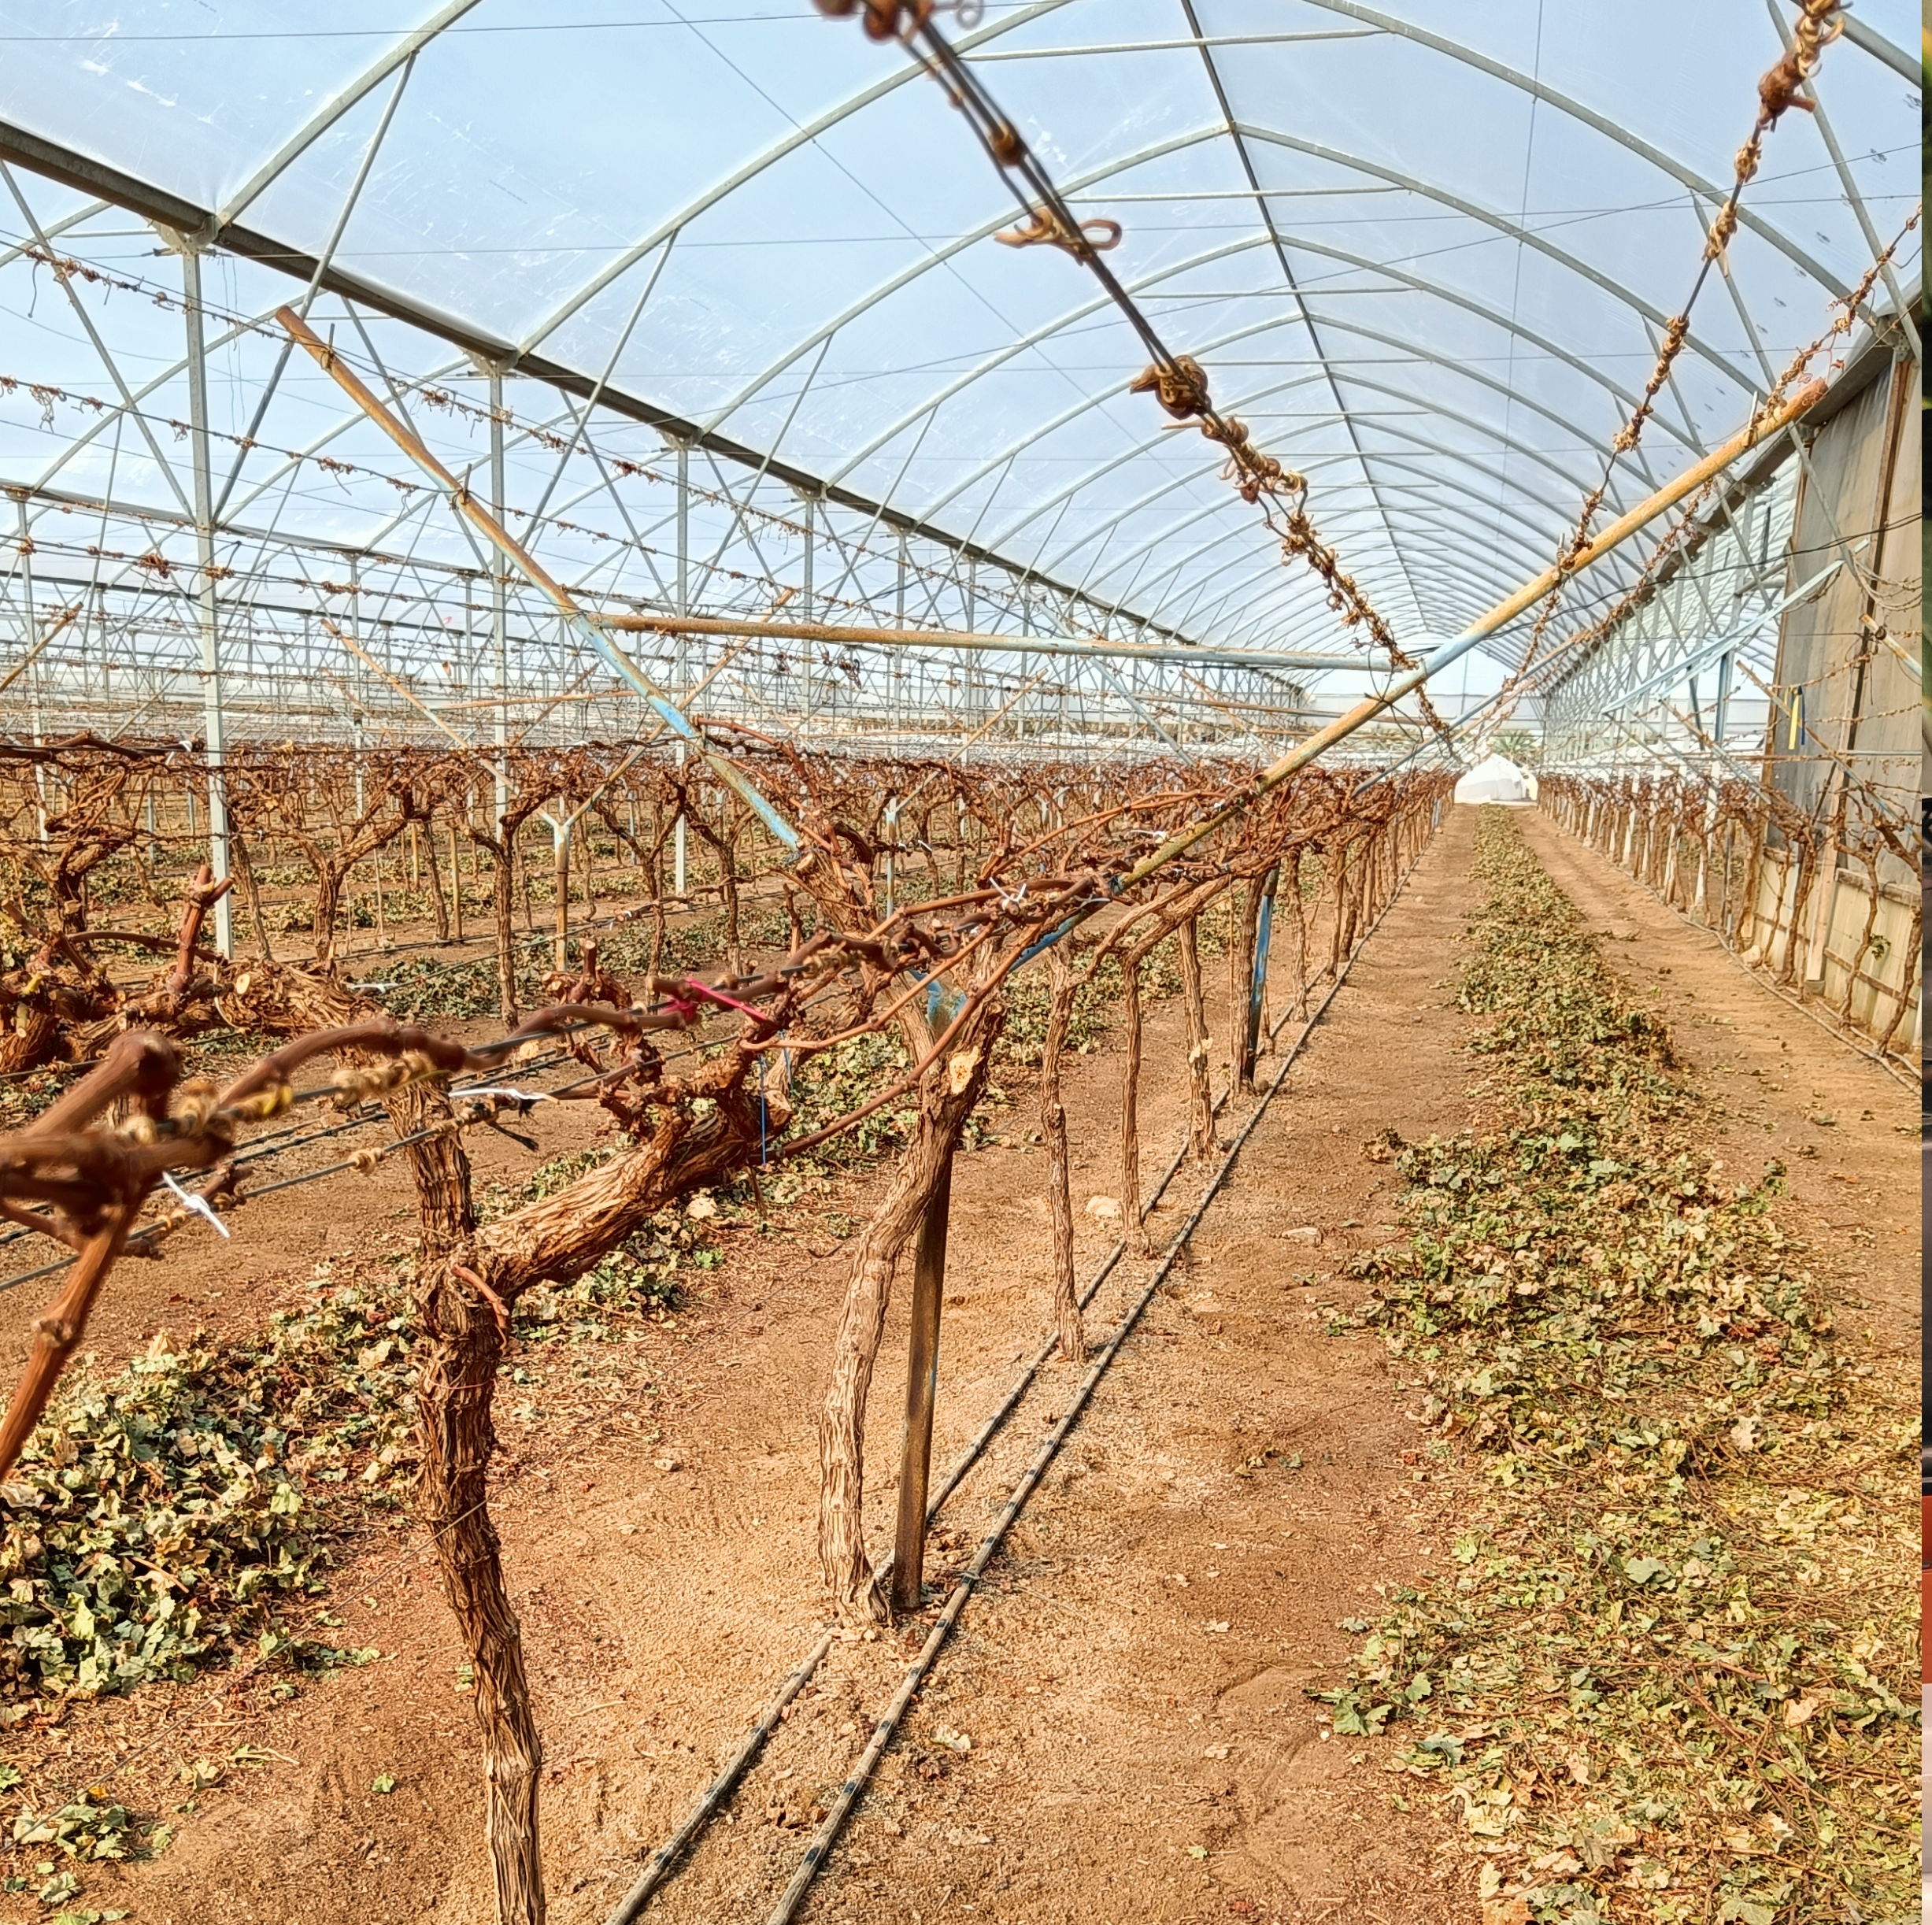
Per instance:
{"type": "Point", "coordinates": [848, 1793]}
{"type": "Point", "coordinates": [663, 1861]}
{"type": "Point", "coordinates": [721, 1787]}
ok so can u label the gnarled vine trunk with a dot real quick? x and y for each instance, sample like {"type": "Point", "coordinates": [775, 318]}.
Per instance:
{"type": "Point", "coordinates": [463, 1340]}
{"type": "Point", "coordinates": [468, 1286]}
{"type": "Point", "coordinates": [947, 1093]}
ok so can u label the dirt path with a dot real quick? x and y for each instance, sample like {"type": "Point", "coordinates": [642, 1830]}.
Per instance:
{"type": "Point", "coordinates": [1846, 1131]}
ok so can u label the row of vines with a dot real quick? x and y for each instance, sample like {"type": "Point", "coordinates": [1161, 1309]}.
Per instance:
{"type": "Point", "coordinates": [928, 915]}
{"type": "Point", "coordinates": [1818, 907]}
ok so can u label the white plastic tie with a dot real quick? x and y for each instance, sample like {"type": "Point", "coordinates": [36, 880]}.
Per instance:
{"type": "Point", "coordinates": [201, 1206]}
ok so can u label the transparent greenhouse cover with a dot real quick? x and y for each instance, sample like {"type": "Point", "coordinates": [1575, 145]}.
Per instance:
{"type": "Point", "coordinates": [1426, 250]}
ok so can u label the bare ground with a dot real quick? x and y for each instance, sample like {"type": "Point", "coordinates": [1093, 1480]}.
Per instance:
{"type": "Point", "coordinates": [1130, 1679]}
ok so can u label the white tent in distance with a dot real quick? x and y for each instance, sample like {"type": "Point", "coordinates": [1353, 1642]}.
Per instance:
{"type": "Point", "coordinates": [1497, 779]}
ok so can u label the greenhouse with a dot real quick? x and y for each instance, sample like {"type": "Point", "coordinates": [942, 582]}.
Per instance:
{"type": "Point", "coordinates": [700, 708]}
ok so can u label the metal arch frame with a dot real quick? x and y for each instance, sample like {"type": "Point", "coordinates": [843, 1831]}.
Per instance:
{"type": "Point", "coordinates": [1316, 614]}
{"type": "Point", "coordinates": [1269, 234]}
{"type": "Point", "coordinates": [384, 526]}
{"type": "Point", "coordinates": [48, 159]}
{"type": "Point", "coordinates": [1654, 648]}
{"type": "Point", "coordinates": [1169, 529]}
{"type": "Point", "coordinates": [828, 330]}
{"type": "Point", "coordinates": [993, 363]}
{"type": "Point", "coordinates": [1313, 613]}
{"type": "Point", "coordinates": [1725, 550]}
{"type": "Point", "coordinates": [1900, 306]}
{"type": "Point", "coordinates": [967, 43]}
{"type": "Point", "coordinates": [1418, 284]}
{"type": "Point", "coordinates": [1694, 443]}
{"type": "Point", "coordinates": [1395, 460]}
{"type": "Point", "coordinates": [800, 137]}
{"type": "Point", "coordinates": [1272, 564]}
{"type": "Point", "coordinates": [9, 255]}
{"type": "Point", "coordinates": [1563, 103]}
{"type": "Point", "coordinates": [1434, 291]}
{"type": "Point", "coordinates": [1292, 605]}
{"type": "Point", "coordinates": [1480, 590]}
{"type": "Point", "coordinates": [1347, 326]}
{"type": "Point", "coordinates": [1418, 486]}
{"type": "Point", "coordinates": [399, 54]}
{"type": "Point", "coordinates": [1505, 226]}
{"type": "Point", "coordinates": [1869, 40]}
{"type": "Point", "coordinates": [1483, 590]}
{"type": "Point", "coordinates": [1061, 558]}
{"type": "Point", "coordinates": [1587, 117]}
{"type": "Point", "coordinates": [319, 123]}
{"type": "Point", "coordinates": [1265, 210]}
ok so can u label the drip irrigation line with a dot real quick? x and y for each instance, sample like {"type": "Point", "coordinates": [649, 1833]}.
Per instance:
{"type": "Point", "coordinates": [663, 1860]}
{"type": "Point", "coordinates": [720, 1788]}
{"type": "Point", "coordinates": [139, 1244]}
{"type": "Point", "coordinates": [848, 1793]}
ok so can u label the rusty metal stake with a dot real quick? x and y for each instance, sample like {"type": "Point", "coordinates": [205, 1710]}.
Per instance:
{"type": "Point", "coordinates": [1257, 982]}
{"type": "Point", "coordinates": [922, 1383]}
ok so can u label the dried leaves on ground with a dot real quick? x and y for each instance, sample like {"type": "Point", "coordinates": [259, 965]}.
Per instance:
{"type": "Point", "coordinates": [1671, 1676]}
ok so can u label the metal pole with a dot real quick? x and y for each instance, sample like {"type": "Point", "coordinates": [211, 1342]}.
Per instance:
{"type": "Point", "coordinates": [684, 565]}
{"type": "Point", "coordinates": [804, 599]}
{"type": "Point", "coordinates": [679, 833]}
{"type": "Point", "coordinates": [211, 726]}
{"type": "Point", "coordinates": [32, 656]}
{"type": "Point", "coordinates": [1524, 598]}
{"type": "Point", "coordinates": [922, 1383]}
{"type": "Point", "coordinates": [499, 597]}
{"type": "Point", "coordinates": [1257, 985]}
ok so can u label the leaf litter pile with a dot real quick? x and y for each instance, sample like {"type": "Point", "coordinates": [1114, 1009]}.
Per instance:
{"type": "Point", "coordinates": [1670, 1677]}
{"type": "Point", "coordinates": [179, 1514]}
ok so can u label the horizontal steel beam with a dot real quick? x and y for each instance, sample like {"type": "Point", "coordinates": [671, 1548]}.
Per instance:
{"type": "Point", "coordinates": [55, 162]}
{"type": "Point", "coordinates": [947, 638]}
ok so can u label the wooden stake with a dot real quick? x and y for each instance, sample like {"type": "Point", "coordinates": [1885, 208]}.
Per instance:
{"type": "Point", "coordinates": [1201, 1104]}
{"type": "Point", "coordinates": [1066, 1302]}
{"type": "Point", "coordinates": [455, 887]}
{"type": "Point", "coordinates": [1263, 931]}
{"type": "Point", "coordinates": [922, 1385]}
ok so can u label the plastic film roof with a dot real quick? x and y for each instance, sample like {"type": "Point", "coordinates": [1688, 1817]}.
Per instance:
{"type": "Point", "coordinates": [1425, 251]}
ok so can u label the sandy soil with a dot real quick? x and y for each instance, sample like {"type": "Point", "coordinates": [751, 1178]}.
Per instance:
{"type": "Point", "coordinates": [1846, 1130]}
{"type": "Point", "coordinates": [1131, 1677]}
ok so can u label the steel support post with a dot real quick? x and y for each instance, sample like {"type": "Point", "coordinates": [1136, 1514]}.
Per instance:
{"type": "Point", "coordinates": [30, 635]}
{"type": "Point", "coordinates": [499, 598]}
{"type": "Point", "coordinates": [212, 728]}
{"type": "Point", "coordinates": [680, 834]}
{"type": "Point", "coordinates": [805, 597]}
